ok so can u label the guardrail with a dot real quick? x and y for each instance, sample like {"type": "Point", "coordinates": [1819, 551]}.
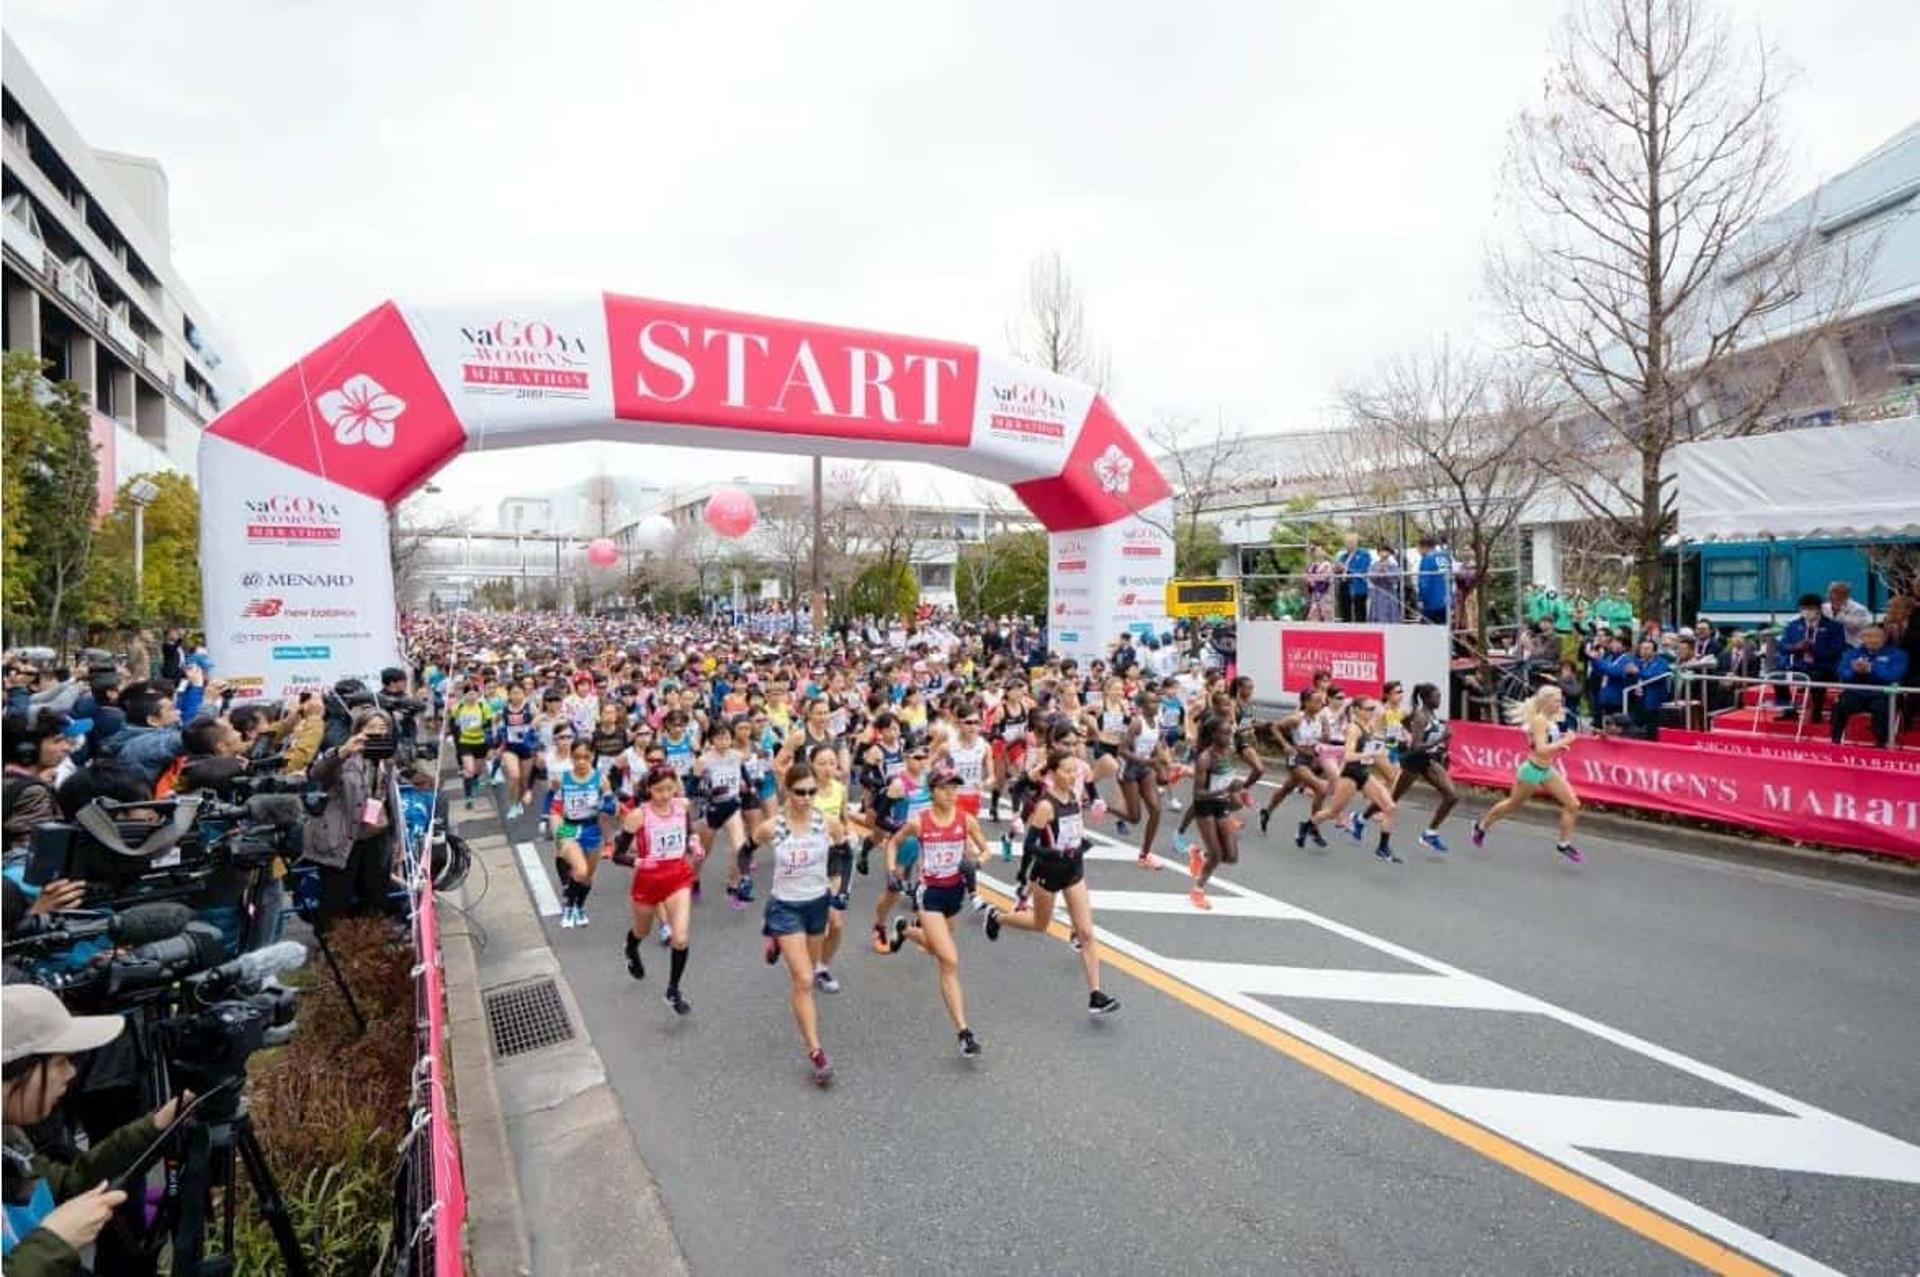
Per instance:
{"type": "Point", "coordinates": [1799, 685]}
{"type": "Point", "coordinates": [430, 1203]}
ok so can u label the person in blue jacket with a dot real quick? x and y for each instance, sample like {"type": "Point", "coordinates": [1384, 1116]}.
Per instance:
{"type": "Point", "coordinates": [1812, 644]}
{"type": "Point", "coordinates": [1435, 580]}
{"type": "Point", "coordinates": [1355, 561]}
{"type": "Point", "coordinates": [1651, 674]}
{"type": "Point", "coordinates": [1874, 664]}
{"type": "Point", "coordinates": [1610, 697]}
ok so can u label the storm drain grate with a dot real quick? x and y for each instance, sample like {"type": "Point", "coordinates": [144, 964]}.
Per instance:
{"type": "Point", "coordinates": [526, 1017]}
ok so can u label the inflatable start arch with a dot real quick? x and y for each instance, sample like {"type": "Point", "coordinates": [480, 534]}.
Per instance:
{"type": "Point", "coordinates": [297, 479]}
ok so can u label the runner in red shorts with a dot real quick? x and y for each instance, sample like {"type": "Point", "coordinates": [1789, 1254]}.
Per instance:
{"type": "Point", "coordinates": [665, 857]}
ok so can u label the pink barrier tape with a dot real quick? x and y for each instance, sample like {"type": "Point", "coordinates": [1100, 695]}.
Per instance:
{"type": "Point", "coordinates": [449, 1182]}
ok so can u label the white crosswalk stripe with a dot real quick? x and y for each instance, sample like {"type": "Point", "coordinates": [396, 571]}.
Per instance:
{"type": "Point", "coordinates": [1574, 1130]}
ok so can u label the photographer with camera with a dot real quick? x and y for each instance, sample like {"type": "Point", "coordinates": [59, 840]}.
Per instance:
{"type": "Point", "coordinates": [55, 1210]}
{"type": "Point", "coordinates": [37, 744]}
{"type": "Point", "coordinates": [404, 709]}
{"type": "Point", "coordinates": [352, 841]}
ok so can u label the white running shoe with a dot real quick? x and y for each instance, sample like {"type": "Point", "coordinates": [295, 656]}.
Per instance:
{"type": "Point", "coordinates": [566, 918]}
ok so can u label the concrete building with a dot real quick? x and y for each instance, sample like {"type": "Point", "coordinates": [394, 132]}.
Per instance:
{"type": "Point", "coordinates": [90, 285]}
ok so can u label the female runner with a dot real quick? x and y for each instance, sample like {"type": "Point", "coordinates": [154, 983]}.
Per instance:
{"type": "Point", "coordinates": [1540, 716]}
{"type": "Point", "coordinates": [1299, 734]}
{"type": "Point", "coordinates": [1217, 786]}
{"type": "Point", "coordinates": [802, 837]}
{"type": "Point", "coordinates": [1141, 757]}
{"type": "Point", "coordinates": [472, 724]}
{"type": "Point", "coordinates": [1359, 757]}
{"type": "Point", "coordinates": [906, 796]}
{"type": "Point", "coordinates": [663, 841]}
{"type": "Point", "coordinates": [946, 835]}
{"type": "Point", "coordinates": [721, 770]}
{"type": "Point", "coordinates": [581, 796]}
{"type": "Point", "coordinates": [1054, 862]}
{"type": "Point", "coordinates": [1425, 758]}
{"type": "Point", "coordinates": [520, 738]}
{"type": "Point", "coordinates": [832, 801]}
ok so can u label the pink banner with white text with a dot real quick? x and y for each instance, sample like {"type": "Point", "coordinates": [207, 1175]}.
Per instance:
{"type": "Point", "coordinates": [1839, 804]}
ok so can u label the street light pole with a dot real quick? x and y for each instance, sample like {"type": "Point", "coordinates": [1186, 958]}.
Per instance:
{"type": "Point", "coordinates": [819, 594]}
{"type": "Point", "coordinates": [142, 493]}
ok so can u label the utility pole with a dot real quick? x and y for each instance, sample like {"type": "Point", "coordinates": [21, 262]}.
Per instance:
{"type": "Point", "coordinates": [142, 493]}
{"type": "Point", "coordinates": [819, 591]}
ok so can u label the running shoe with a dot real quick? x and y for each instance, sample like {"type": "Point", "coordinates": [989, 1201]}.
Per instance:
{"type": "Point", "coordinates": [745, 894]}
{"type": "Point", "coordinates": [514, 810]}
{"type": "Point", "coordinates": [770, 951]}
{"type": "Point", "coordinates": [1266, 818]}
{"type": "Point", "coordinates": [1387, 856]}
{"type": "Point", "coordinates": [864, 863]}
{"type": "Point", "coordinates": [543, 824]}
{"type": "Point", "coordinates": [734, 900]}
{"type": "Point", "coordinates": [1357, 826]}
{"type": "Point", "coordinates": [1173, 804]}
{"type": "Point", "coordinates": [1150, 861]}
{"type": "Point", "coordinates": [1121, 828]}
{"type": "Point", "coordinates": [823, 980]}
{"type": "Point", "coordinates": [665, 933]}
{"type": "Point", "coordinates": [992, 924]}
{"type": "Point", "coordinates": [1006, 847]}
{"type": "Point", "coordinates": [468, 804]}
{"type": "Point", "coordinates": [1432, 842]}
{"type": "Point", "coordinates": [969, 1045]}
{"type": "Point", "coordinates": [880, 943]}
{"type": "Point", "coordinates": [679, 1004]}
{"type": "Point", "coordinates": [1196, 861]}
{"type": "Point", "coordinates": [635, 967]}
{"type": "Point", "coordinates": [580, 918]}
{"type": "Point", "coordinates": [822, 1068]}
{"type": "Point", "coordinates": [1099, 1003]}
{"type": "Point", "coordinates": [566, 918]}
{"type": "Point", "coordinates": [1199, 898]}
{"type": "Point", "coordinates": [1571, 852]}
{"type": "Point", "coordinates": [1313, 832]}
{"type": "Point", "coordinates": [1300, 834]}
{"type": "Point", "coordinates": [1479, 835]}
{"type": "Point", "coordinates": [899, 935]}
{"type": "Point", "coordinates": [1073, 938]}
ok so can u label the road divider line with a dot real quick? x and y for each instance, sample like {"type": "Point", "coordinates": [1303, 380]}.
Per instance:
{"type": "Point", "coordinates": [545, 899]}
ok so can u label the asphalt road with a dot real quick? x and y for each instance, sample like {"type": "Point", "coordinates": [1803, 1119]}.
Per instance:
{"type": "Point", "coordinates": [1486, 1062]}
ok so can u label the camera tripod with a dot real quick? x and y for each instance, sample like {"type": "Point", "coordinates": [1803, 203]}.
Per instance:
{"type": "Point", "coordinates": [207, 1160]}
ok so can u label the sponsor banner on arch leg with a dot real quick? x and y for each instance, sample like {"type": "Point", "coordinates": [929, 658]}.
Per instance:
{"type": "Point", "coordinates": [1834, 804]}
{"type": "Point", "coordinates": [296, 587]}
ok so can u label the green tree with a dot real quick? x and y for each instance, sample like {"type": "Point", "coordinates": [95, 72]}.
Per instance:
{"type": "Point", "coordinates": [496, 595]}
{"type": "Point", "coordinates": [885, 590]}
{"type": "Point", "coordinates": [1005, 575]}
{"type": "Point", "coordinates": [49, 490]}
{"type": "Point", "coordinates": [170, 581]}
{"type": "Point", "coordinates": [1197, 549]}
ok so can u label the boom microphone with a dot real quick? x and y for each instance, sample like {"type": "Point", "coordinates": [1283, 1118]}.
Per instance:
{"type": "Point", "coordinates": [144, 924]}
{"type": "Point", "coordinates": [250, 969]}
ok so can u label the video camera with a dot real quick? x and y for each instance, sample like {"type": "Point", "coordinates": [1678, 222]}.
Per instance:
{"type": "Point", "coordinates": [160, 849]}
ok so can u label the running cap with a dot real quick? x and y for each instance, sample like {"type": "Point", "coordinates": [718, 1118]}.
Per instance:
{"type": "Point", "coordinates": [942, 777]}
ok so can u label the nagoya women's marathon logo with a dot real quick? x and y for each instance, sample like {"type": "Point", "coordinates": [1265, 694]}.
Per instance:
{"type": "Point", "coordinates": [528, 359]}
{"type": "Point", "coordinates": [1027, 411]}
{"type": "Point", "coordinates": [290, 519]}
{"type": "Point", "coordinates": [1114, 469]}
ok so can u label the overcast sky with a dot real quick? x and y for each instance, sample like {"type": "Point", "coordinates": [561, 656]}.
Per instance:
{"type": "Point", "coordinates": [1258, 202]}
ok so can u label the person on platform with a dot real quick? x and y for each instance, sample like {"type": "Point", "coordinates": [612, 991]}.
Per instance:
{"type": "Point", "coordinates": [1811, 646]}
{"type": "Point", "coordinates": [1873, 665]}
{"type": "Point", "coordinates": [1435, 580]}
{"type": "Point", "coordinates": [1854, 618]}
{"type": "Point", "coordinates": [1354, 563]}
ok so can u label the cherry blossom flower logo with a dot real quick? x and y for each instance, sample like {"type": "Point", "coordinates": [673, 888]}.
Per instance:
{"type": "Point", "coordinates": [361, 411]}
{"type": "Point", "coordinates": [1114, 469]}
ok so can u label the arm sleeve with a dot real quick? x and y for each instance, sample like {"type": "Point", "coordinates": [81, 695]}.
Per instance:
{"type": "Point", "coordinates": [103, 1161]}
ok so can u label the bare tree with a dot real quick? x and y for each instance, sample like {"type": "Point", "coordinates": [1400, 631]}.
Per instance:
{"type": "Point", "coordinates": [601, 506]}
{"type": "Point", "coordinates": [1204, 473]}
{"type": "Point", "coordinates": [1645, 265]}
{"type": "Point", "coordinates": [1459, 431]}
{"type": "Point", "coordinates": [785, 534]}
{"type": "Point", "coordinates": [1051, 330]}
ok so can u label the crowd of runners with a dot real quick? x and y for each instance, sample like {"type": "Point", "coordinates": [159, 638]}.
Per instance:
{"type": "Point", "coordinates": [696, 757]}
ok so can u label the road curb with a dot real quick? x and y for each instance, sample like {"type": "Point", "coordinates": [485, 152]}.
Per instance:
{"type": "Point", "coordinates": [552, 1155]}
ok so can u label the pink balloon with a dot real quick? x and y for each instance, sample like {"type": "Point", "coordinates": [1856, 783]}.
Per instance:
{"type": "Point", "coordinates": [602, 552]}
{"type": "Point", "coordinates": [731, 513]}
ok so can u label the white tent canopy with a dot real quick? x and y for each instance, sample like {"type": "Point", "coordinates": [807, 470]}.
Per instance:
{"type": "Point", "coordinates": [1822, 481]}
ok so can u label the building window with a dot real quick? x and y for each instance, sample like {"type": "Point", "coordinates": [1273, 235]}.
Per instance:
{"type": "Point", "coordinates": [1732, 580]}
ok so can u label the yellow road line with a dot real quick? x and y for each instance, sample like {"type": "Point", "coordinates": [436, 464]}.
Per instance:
{"type": "Point", "coordinates": [1701, 1249]}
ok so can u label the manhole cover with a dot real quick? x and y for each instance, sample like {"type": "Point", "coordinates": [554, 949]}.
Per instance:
{"type": "Point", "coordinates": [526, 1017]}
